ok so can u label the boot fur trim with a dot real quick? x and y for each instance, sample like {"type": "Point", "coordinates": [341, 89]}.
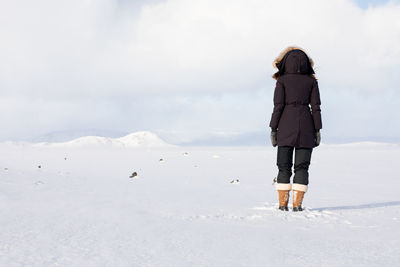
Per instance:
{"type": "Point", "coordinates": [280, 186]}
{"type": "Point", "coordinates": [300, 187]}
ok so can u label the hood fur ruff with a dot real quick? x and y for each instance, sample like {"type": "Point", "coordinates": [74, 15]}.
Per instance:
{"type": "Point", "coordinates": [282, 55]}
{"type": "Point", "coordinates": [284, 52]}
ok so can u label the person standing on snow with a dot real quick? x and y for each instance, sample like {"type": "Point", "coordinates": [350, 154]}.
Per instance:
{"type": "Point", "coordinates": [294, 127]}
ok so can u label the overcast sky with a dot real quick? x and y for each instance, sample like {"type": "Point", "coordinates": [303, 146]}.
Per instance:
{"type": "Point", "coordinates": [193, 69]}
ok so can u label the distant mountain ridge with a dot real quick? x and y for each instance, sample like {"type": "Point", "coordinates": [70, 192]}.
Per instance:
{"type": "Point", "coordinates": [136, 139]}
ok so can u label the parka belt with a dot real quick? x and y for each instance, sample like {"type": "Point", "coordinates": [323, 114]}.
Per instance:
{"type": "Point", "coordinates": [297, 104]}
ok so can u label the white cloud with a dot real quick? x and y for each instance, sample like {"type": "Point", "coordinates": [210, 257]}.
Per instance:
{"type": "Point", "coordinates": [69, 53]}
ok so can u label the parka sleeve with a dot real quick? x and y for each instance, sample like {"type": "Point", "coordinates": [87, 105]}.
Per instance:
{"type": "Point", "coordinates": [279, 104]}
{"type": "Point", "coordinates": [315, 102]}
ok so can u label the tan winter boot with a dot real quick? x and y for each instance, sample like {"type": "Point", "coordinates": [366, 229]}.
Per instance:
{"type": "Point", "coordinates": [283, 192]}
{"type": "Point", "coordinates": [298, 194]}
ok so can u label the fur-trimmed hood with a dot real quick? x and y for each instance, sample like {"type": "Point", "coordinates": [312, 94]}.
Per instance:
{"type": "Point", "coordinates": [293, 60]}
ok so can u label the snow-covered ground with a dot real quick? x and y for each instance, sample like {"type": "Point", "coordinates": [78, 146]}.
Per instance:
{"type": "Point", "coordinates": [80, 208]}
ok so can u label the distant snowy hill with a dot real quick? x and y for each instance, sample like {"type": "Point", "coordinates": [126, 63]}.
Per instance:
{"type": "Point", "coordinates": [68, 135]}
{"type": "Point", "coordinates": [137, 139]}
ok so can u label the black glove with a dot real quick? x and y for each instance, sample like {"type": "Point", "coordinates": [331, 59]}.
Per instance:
{"type": "Point", "coordinates": [317, 138]}
{"type": "Point", "coordinates": [274, 141]}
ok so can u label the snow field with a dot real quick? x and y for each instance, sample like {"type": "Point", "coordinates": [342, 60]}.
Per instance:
{"type": "Point", "coordinates": [82, 209]}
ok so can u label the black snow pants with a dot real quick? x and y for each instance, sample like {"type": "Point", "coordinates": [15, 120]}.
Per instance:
{"type": "Point", "coordinates": [301, 164]}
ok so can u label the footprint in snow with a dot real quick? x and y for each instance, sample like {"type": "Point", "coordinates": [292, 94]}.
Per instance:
{"type": "Point", "coordinates": [307, 213]}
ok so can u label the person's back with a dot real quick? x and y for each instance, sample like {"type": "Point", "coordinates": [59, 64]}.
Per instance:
{"type": "Point", "coordinates": [293, 124]}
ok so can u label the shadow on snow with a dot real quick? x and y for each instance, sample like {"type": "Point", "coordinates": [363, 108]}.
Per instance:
{"type": "Point", "coordinates": [362, 206]}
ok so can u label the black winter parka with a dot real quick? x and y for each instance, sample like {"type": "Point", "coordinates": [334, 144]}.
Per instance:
{"type": "Point", "coordinates": [295, 92]}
